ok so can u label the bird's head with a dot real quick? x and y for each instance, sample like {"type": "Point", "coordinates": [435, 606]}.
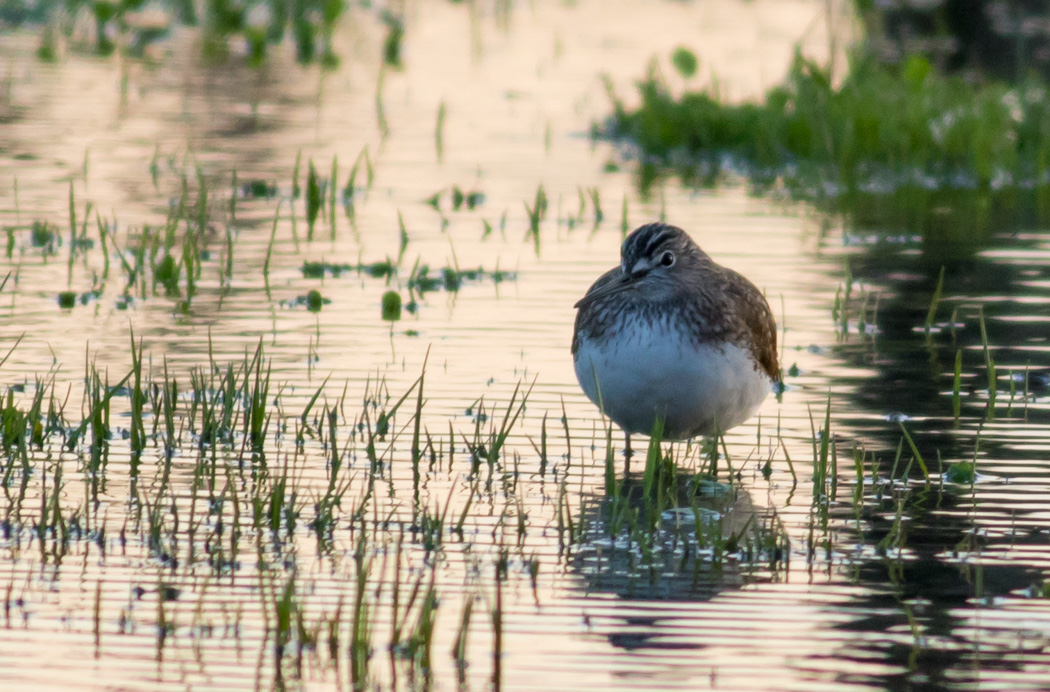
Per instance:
{"type": "Point", "coordinates": [654, 259]}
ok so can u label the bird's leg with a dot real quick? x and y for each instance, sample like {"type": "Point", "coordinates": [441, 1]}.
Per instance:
{"type": "Point", "coordinates": [627, 453]}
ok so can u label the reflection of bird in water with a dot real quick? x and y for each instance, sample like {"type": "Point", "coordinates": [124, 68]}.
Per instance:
{"type": "Point", "coordinates": [682, 551]}
{"type": "Point", "coordinates": [670, 335]}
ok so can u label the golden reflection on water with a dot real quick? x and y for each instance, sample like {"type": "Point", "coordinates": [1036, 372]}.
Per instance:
{"type": "Point", "coordinates": [519, 98]}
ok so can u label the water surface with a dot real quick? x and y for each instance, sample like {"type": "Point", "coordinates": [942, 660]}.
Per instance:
{"type": "Point", "coordinates": [907, 585]}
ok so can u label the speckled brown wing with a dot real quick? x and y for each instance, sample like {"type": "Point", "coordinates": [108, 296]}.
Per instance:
{"type": "Point", "coordinates": [757, 318]}
{"type": "Point", "coordinates": [585, 313]}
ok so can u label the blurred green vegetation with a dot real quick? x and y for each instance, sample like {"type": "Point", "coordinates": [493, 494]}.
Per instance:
{"type": "Point", "coordinates": [893, 147]}
{"type": "Point", "coordinates": [250, 26]}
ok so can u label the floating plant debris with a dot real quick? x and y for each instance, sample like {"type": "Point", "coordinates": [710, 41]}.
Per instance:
{"type": "Point", "coordinates": [422, 278]}
{"type": "Point", "coordinates": [391, 306]}
{"type": "Point", "coordinates": [67, 299]}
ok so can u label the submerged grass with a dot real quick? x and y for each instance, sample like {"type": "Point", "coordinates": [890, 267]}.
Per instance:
{"type": "Point", "coordinates": [250, 482]}
{"type": "Point", "coordinates": [197, 243]}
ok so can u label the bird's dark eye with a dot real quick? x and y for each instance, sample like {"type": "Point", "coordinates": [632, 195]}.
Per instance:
{"type": "Point", "coordinates": [668, 259]}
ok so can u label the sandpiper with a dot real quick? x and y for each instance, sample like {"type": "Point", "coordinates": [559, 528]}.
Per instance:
{"type": "Point", "coordinates": [671, 335]}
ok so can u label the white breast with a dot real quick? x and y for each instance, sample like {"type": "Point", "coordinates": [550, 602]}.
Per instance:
{"type": "Point", "coordinates": [650, 369]}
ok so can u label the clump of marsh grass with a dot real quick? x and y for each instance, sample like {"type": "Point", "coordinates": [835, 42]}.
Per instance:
{"type": "Point", "coordinates": [890, 146]}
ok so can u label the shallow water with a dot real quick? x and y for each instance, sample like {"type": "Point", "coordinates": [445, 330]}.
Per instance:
{"type": "Point", "coordinates": [905, 586]}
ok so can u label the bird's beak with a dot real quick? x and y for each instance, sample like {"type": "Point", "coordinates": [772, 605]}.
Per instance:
{"type": "Point", "coordinates": [622, 284]}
